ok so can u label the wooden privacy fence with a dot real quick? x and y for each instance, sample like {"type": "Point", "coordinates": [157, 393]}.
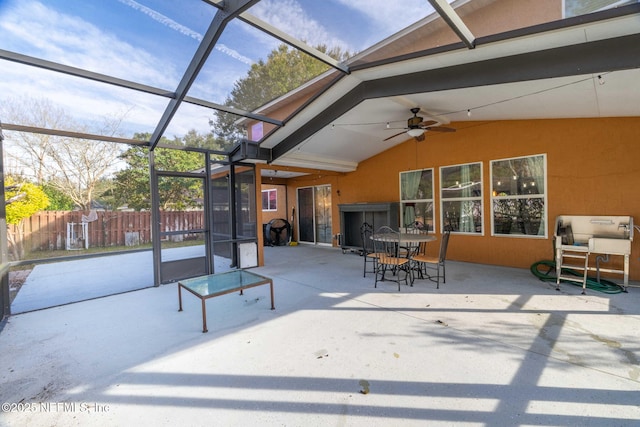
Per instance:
{"type": "Point", "coordinates": [51, 230]}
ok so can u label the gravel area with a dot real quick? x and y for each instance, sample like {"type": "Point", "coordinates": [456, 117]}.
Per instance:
{"type": "Point", "coordinates": [16, 280]}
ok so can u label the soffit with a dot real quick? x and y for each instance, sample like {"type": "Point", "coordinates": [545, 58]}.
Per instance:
{"type": "Point", "coordinates": [358, 132]}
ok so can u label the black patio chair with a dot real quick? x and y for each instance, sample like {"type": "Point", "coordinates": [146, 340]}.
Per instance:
{"type": "Point", "coordinates": [386, 243]}
{"type": "Point", "coordinates": [426, 263]}
{"type": "Point", "coordinates": [368, 250]}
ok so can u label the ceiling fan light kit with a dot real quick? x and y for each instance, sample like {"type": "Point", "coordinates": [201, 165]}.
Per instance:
{"type": "Point", "coordinates": [416, 127]}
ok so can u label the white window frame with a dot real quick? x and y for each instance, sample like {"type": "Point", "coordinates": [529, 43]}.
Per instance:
{"type": "Point", "coordinates": [460, 186]}
{"type": "Point", "coordinates": [498, 196]}
{"type": "Point", "coordinates": [269, 207]}
{"type": "Point", "coordinates": [409, 200]}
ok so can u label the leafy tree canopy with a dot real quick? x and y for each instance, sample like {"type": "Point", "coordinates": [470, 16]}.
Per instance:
{"type": "Point", "coordinates": [23, 200]}
{"type": "Point", "coordinates": [284, 70]}
{"type": "Point", "coordinates": [133, 186]}
{"type": "Point", "coordinates": [58, 201]}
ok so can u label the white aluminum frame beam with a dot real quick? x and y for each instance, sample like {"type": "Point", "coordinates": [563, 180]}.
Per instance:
{"type": "Point", "coordinates": [454, 21]}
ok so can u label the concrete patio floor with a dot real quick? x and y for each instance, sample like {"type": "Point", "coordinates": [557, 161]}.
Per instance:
{"type": "Point", "coordinates": [58, 283]}
{"type": "Point", "coordinates": [493, 346]}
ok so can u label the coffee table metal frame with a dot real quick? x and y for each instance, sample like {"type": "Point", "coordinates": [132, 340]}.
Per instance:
{"type": "Point", "coordinates": [213, 285]}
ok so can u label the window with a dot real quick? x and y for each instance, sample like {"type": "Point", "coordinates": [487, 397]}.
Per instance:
{"type": "Point", "coordinates": [518, 196]}
{"type": "Point", "coordinates": [416, 197]}
{"type": "Point", "coordinates": [270, 200]}
{"type": "Point", "coordinates": [461, 197]}
{"type": "Point", "coordinates": [582, 7]}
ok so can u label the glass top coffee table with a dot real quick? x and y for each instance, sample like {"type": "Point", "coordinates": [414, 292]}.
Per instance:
{"type": "Point", "coordinates": [213, 285]}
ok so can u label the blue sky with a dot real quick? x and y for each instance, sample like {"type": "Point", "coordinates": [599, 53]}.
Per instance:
{"type": "Point", "coordinates": [152, 41]}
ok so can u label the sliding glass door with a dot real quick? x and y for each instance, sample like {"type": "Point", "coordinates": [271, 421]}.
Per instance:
{"type": "Point", "coordinates": [314, 214]}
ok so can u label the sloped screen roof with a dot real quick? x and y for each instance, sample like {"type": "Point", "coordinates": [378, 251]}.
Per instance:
{"type": "Point", "coordinates": [163, 68]}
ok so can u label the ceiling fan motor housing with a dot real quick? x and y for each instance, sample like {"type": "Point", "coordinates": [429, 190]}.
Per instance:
{"type": "Point", "coordinates": [414, 122]}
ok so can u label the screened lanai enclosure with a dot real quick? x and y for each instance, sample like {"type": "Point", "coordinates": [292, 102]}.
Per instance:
{"type": "Point", "coordinates": [134, 131]}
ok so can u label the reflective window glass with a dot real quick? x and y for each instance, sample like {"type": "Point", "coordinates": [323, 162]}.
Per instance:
{"type": "Point", "coordinates": [270, 200]}
{"type": "Point", "coordinates": [461, 195]}
{"type": "Point", "coordinates": [485, 18]}
{"type": "Point", "coordinates": [582, 7]}
{"type": "Point", "coordinates": [416, 207]}
{"type": "Point", "coordinates": [518, 193]}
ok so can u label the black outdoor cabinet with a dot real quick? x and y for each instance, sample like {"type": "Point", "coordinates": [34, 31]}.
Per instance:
{"type": "Point", "coordinates": [353, 215]}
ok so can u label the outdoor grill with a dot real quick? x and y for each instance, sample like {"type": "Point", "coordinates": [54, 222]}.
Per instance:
{"type": "Point", "coordinates": [579, 236]}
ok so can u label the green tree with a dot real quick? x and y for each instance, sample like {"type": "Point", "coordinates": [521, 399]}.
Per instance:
{"type": "Point", "coordinates": [58, 201]}
{"type": "Point", "coordinates": [133, 186]}
{"type": "Point", "coordinates": [22, 200]}
{"type": "Point", "coordinates": [193, 139]}
{"type": "Point", "coordinates": [284, 70]}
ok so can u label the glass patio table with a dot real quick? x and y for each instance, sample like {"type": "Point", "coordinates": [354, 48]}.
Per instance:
{"type": "Point", "coordinates": [409, 241]}
{"type": "Point", "coordinates": [213, 285]}
{"type": "Point", "coordinates": [404, 237]}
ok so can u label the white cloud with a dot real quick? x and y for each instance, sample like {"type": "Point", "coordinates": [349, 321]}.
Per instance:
{"type": "Point", "coordinates": [369, 21]}
{"type": "Point", "coordinates": [189, 117]}
{"type": "Point", "coordinates": [34, 28]}
{"type": "Point", "coordinates": [164, 20]}
{"type": "Point", "coordinates": [290, 17]}
{"type": "Point", "coordinates": [86, 101]}
{"type": "Point", "coordinates": [31, 28]}
{"type": "Point", "coordinates": [72, 41]}
{"type": "Point", "coordinates": [45, 33]}
{"type": "Point", "coordinates": [389, 15]}
{"type": "Point", "coordinates": [168, 22]}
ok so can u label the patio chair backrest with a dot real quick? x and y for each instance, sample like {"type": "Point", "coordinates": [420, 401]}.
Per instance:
{"type": "Point", "coordinates": [389, 242]}
{"type": "Point", "coordinates": [444, 243]}
{"type": "Point", "coordinates": [422, 249]}
{"type": "Point", "coordinates": [366, 231]}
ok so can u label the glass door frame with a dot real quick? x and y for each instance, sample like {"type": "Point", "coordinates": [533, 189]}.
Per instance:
{"type": "Point", "coordinates": [235, 203]}
{"type": "Point", "coordinates": [314, 217]}
{"type": "Point", "coordinates": [188, 267]}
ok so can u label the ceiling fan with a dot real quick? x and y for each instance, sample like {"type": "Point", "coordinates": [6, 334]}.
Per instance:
{"type": "Point", "coordinates": [416, 127]}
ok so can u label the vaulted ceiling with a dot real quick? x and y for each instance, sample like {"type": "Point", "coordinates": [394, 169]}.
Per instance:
{"type": "Point", "coordinates": [579, 69]}
{"type": "Point", "coordinates": [586, 66]}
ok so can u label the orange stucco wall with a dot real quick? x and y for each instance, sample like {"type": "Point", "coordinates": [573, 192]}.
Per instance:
{"type": "Point", "coordinates": [593, 165]}
{"type": "Point", "coordinates": [281, 211]}
{"type": "Point", "coordinates": [505, 15]}
{"type": "Point", "coordinates": [593, 168]}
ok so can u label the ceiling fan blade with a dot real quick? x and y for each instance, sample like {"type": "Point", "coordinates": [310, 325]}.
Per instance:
{"type": "Point", "coordinates": [420, 138]}
{"type": "Point", "coordinates": [427, 123]}
{"type": "Point", "coordinates": [393, 136]}
{"type": "Point", "coordinates": [440, 129]}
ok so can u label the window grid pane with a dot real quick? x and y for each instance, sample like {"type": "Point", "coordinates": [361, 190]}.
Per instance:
{"type": "Point", "coordinates": [416, 193]}
{"type": "Point", "coordinates": [461, 197]}
{"type": "Point", "coordinates": [269, 200]}
{"type": "Point", "coordinates": [518, 196]}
